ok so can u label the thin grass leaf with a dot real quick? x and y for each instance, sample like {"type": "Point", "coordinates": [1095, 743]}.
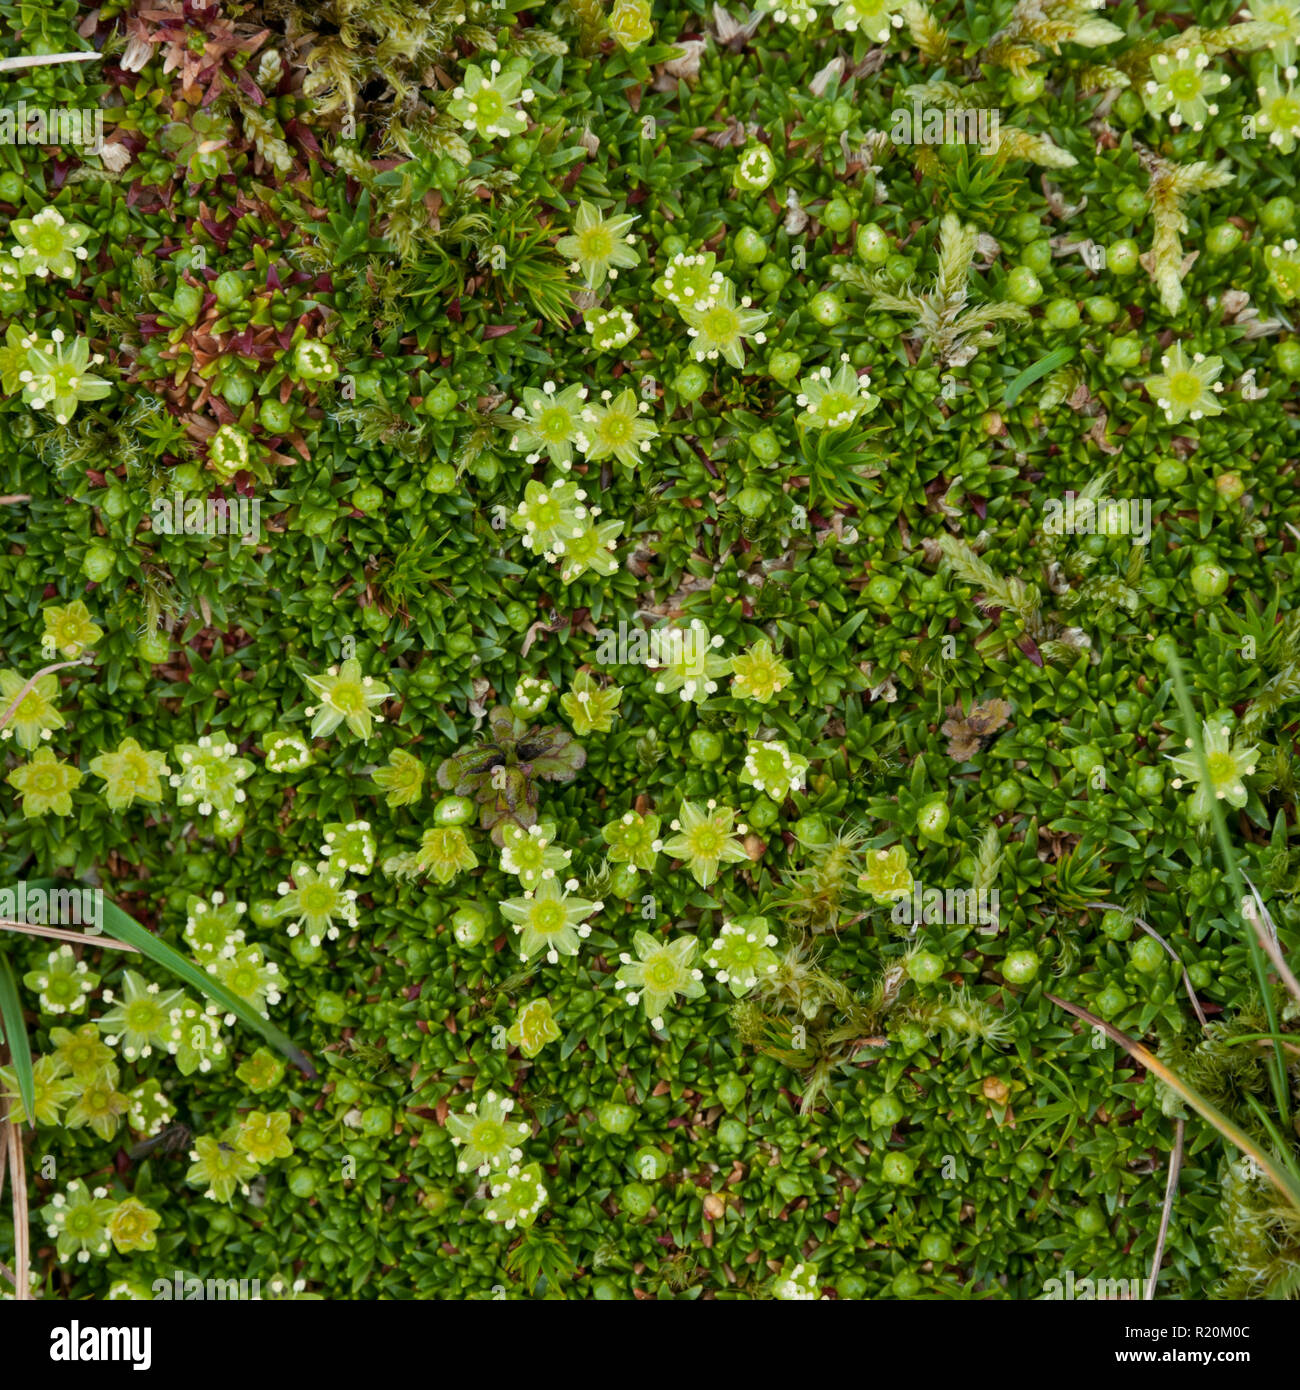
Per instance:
{"type": "Point", "coordinates": [124, 928]}
{"type": "Point", "coordinates": [1277, 1072]}
{"type": "Point", "coordinates": [15, 1036]}
{"type": "Point", "coordinates": [1277, 1173]}
{"type": "Point", "coordinates": [1031, 374]}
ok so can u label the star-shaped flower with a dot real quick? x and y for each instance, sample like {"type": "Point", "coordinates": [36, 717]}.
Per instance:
{"type": "Point", "coordinates": [887, 876]}
{"type": "Point", "coordinates": [49, 245]}
{"type": "Point", "coordinates": [759, 674]}
{"type": "Point", "coordinates": [533, 1028]}
{"type": "Point", "coordinates": [1182, 85]}
{"type": "Point", "coordinates": [704, 840]}
{"type": "Point", "coordinates": [1187, 390]}
{"type": "Point", "coordinates": [35, 717]}
{"type": "Point", "coordinates": [633, 839]}
{"type": "Point", "coordinates": [721, 327]}
{"type": "Point", "coordinates": [686, 660]}
{"type": "Point", "coordinates": [549, 920]}
{"type": "Point", "coordinates": [132, 774]}
{"type": "Point", "coordinates": [1228, 768]}
{"type": "Point", "coordinates": [599, 246]}
{"type": "Point", "coordinates": [662, 972]}
{"type": "Point", "coordinates": [45, 784]}
{"type": "Point", "coordinates": [589, 707]}
{"type": "Point", "coordinates": [615, 429]}
{"type": "Point", "coordinates": [549, 422]}
{"type": "Point", "coordinates": [69, 630]}
{"type": "Point", "coordinates": [346, 695]}
{"type": "Point", "coordinates": [831, 402]}
{"type": "Point", "coordinates": [485, 101]}
{"type": "Point", "coordinates": [742, 953]}
{"type": "Point", "coordinates": [488, 1140]}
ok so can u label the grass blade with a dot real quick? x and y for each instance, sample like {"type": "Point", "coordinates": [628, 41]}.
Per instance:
{"type": "Point", "coordinates": [1276, 1173]}
{"type": "Point", "coordinates": [1031, 374]}
{"type": "Point", "coordinates": [121, 927]}
{"type": "Point", "coordinates": [1277, 1072]}
{"type": "Point", "coordinates": [15, 1036]}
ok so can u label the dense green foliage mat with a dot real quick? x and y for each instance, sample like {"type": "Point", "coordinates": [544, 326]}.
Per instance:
{"type": "Point", "coordinates": [660, 642]}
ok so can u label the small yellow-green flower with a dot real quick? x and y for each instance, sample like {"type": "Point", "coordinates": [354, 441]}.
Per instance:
{"type": "Point", "coordinates": [755, 169]}
{"type": "Point", "coordinates": [874, 18]}
{"type": "Point", "coordinates": [548, 920]}
{"type": "Point", "coordinates": [633, 839]}
{"type": "Point", "coordinates": [350, 846]}
{"type": "Point", "coordinates": [64, 982]}
{"type": "Point", "coordinates": [445, 852]}
{"type": "Point", "coordinates": [81, 1052]}
{"type": "Point", "coordinates": [57, 378]}
{"type": "Point", "coordinates": [212, 927]}
{"type": "Point", "coordinates": [220, 1167]}
{"type": "Point", "coordinates": [131, 774]}
{"type": "Point", "coordinates": [832, 402]}
{"type": "Point", "coordinates": [549, 422]}
{"type": "Point", "coordinates": [1284, 15]}
{"type": "Point", "coordinates": [1284, 268]}
{"type": "Point", "coordinates": [759, 674]}
{"type": "Point", "coordinates": [196, 1038]}
{"type": "Point", "coordinates": [69, 630]}
{"type": "Point", "coordinates": [485, 101]}
{"type": "Point", "coordinates": [662, 972]}
{"type": "Point", "coordinates": [49, 245]}
{"type": "Point", "coordinates": [142, 1017]}
{"type": "Point", "coordinates": [533, 1028]}
{"type": "Point", "coordinates": [589, 707]}
{"type": "Point", "coordinates": [591, 548]}
{"type": "Point", "coordinates": [531, 854]}
{"type": "Point", "coordinates": [611, 329]}
{"type": "Point", "coordinates": [615, 429]}
{"type": "Point", "coordinates": [771, 768]}
{"type": "Point", "coordinates": [402, 781]}
{"type": "Point", "coordinates": [77, 1221]}
{"type": "Point", "coordinates": [799, 14]}
{"type": "Point", "coordinates": [1228, 767]}
{"type": "Point", "coordinates": [51, 1088]}
{"type": "Point", "coordinates": [35, 718]}
{"type": "Point", "coordinates": [210, 776]}
{"type": "Point", "coordinates": [487, 1138]}
{"type": "Point", "coordinates": [549, 515]}
{"type": "Point", "coordinates": [531, 697]}
{"type": "Point", "coordinates": [132, 1226]}
{"type": "Point", "coordinates": [346, 695]}
{"type": "Point", "coordinates": [149, 1111]}
{"type": "Point", "coordinates": [599, 246]}
{"type": "Point", "coordinates": [289, 752]}
{"type": "Point", "coordinates": [264, 1136]}
{"type": "Point", "coordinates": [1187, 390]}
{"type": "Point", "coordinates": [742, 954]}
{"type": "Point", "coordinates": [1181, 84]}
{"type": "Point", "coordinates": [686, 660]}
{"type": "Point", "coordinates": [263, 1071]}
{"type": "Point", "coordinates": [704, 840]}
{"type": "Point", "coordinates": [230, 451]}
{"type": "Point", "coordinates": [249, 976]}
{"type": "Point", "coordinates": [317, 899]}
{"type": "Point", "coordinates": [690, 280]}
{"type": "Point", "coordinates": [45, 784]}
{"type": "Point", "coordinates": [887, 876]}
{"type": "Point", "coordinates": [629, 22]}
{"type": "Point", "coordinates": [101, 1106]}
{"type": "Point", "coordinates": [517, 1197]}
{"type": "Point", "coordinates": [1279, 112]}
{"type": "Point", "coordinates": [719, 328]}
